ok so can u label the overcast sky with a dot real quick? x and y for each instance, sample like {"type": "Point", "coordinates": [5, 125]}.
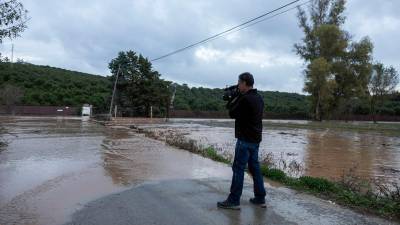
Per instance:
{"type": "Point", "coordinates": [86, 35]}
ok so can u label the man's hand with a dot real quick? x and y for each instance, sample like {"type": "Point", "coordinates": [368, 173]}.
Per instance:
{"type": "Point", "coordinates": [233, 103]}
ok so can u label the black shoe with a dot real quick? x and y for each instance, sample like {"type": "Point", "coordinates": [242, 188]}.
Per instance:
{"type": "Point", "coordinates": [228, 205]}
{"type": "Point", "coordinates": [258, 202]}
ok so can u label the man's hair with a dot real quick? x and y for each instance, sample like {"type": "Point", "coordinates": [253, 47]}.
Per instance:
{"type": "Point", "coordinates": [247, 78]}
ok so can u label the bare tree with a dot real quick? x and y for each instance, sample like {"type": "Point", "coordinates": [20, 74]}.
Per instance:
{"type": "Point", "coordinates": [383, 81]}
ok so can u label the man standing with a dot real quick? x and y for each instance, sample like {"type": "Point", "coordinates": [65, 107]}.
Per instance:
{"type": "Point", "coordinates": [247, 110]}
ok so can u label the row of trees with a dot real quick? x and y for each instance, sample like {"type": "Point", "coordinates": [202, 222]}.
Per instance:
{"type": "Point", "coordinates": [340, 71]}
{"type": "Point", "coordinates": [290, 105]}
{"type": "Point", "coordinates": [206, 99]}
{"type": "Point", "coordinates": [139, 86]}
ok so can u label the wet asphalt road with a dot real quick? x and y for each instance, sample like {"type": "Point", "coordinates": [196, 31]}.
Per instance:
{"type": "Point", "coordinates": [194, 202]}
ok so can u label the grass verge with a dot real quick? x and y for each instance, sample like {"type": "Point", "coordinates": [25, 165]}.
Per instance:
{"type": "Point", "coordinates": [385, 206]}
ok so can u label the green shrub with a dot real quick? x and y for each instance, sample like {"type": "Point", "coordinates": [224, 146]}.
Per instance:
{"type": "Point", "coordinates": [211, 153]}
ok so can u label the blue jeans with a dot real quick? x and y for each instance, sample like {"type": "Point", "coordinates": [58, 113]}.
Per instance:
{"type": "Point", "coordinates": [246, 153]}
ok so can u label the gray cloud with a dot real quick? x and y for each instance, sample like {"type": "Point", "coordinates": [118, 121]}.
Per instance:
{"type": "Point", "coordinates": [86, 35]}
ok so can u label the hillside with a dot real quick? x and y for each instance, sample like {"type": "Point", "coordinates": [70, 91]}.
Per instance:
{"type": "Point", "coordinates": [44, 85]}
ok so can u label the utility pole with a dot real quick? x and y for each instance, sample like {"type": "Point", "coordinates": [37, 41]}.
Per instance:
{"type": "Point", "coordinates": [151, 112]}
{"type": "Point", "coordinates": [115, 87]}
{"type": "Point", "coordinates": [171, 103]}
{"type": "Point", "coordinates": [12, 52]}
{"type": "Point", "coordinates": [173, 97]}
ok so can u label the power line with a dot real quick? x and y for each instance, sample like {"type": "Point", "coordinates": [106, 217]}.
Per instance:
{"type": "Point", "coordinates": [223, 32]}
{"type": "Point", "coordinates": [270, 17]}
{"type": "Point", "coordinates": [259, 21]}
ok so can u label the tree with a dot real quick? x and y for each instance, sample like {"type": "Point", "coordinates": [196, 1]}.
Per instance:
{"type": "Point", "coordinates": [13, 18]}
{"type": "Point", "coordinates": [382, 83]}
{"type": "Point", "coordinates": [348, 61]}
{"type": "Point", "coordinates": [139, 87]}
{"type": "Point", "coordinates": [316, 40]}
{"type": "Point", "coordinates": [319, 83]}
{"type": "Point", "coordinates": [352, 75]}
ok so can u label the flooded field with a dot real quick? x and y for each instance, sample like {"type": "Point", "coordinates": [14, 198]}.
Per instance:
{"type": "Point", "coordinates": [329, 153]}
{"type": "Point", "coordinates": [53, 166]}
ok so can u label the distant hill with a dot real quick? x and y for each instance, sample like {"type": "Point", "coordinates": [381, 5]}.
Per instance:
{"type": "Point", "coordinates": [206, 99]}
{"type": "Point", "coordinates": [44, 85]}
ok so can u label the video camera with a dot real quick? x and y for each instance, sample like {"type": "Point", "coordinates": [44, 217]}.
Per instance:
{"type": "Point", "coordinates": [230, 93]}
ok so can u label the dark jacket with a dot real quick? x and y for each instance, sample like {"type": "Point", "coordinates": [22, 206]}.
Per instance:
{"type": "Point", "coordinates": [247, 111]}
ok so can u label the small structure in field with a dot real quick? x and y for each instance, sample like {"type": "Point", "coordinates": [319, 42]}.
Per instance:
{"type": "Point", "coordinates": [86, 110]}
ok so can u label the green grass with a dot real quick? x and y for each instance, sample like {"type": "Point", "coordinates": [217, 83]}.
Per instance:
{"type": "Point", "coordinates": [273, 174]}
{"type": "Point", "coordinates": [317, 184]}
{"type": "Point", "coordinates": [321, 187]}
{"type": "Point", "coordinates": [211, 153]}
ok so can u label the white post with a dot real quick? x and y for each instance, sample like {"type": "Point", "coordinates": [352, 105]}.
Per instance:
{"type": "Point", "coordinates": [151, 112]}
{"type": "Point", "coordinates": [12, 53]}
{"type": "Point", "coordinates": [115, 86]}
{"type": "Point", "coordinates": [115, 111]}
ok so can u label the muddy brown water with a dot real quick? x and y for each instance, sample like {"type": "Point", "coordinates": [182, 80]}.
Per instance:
{"type": "Point", "coordinates": [53, 166]}
{"type": "Point", "coordinates": [325, 153]}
